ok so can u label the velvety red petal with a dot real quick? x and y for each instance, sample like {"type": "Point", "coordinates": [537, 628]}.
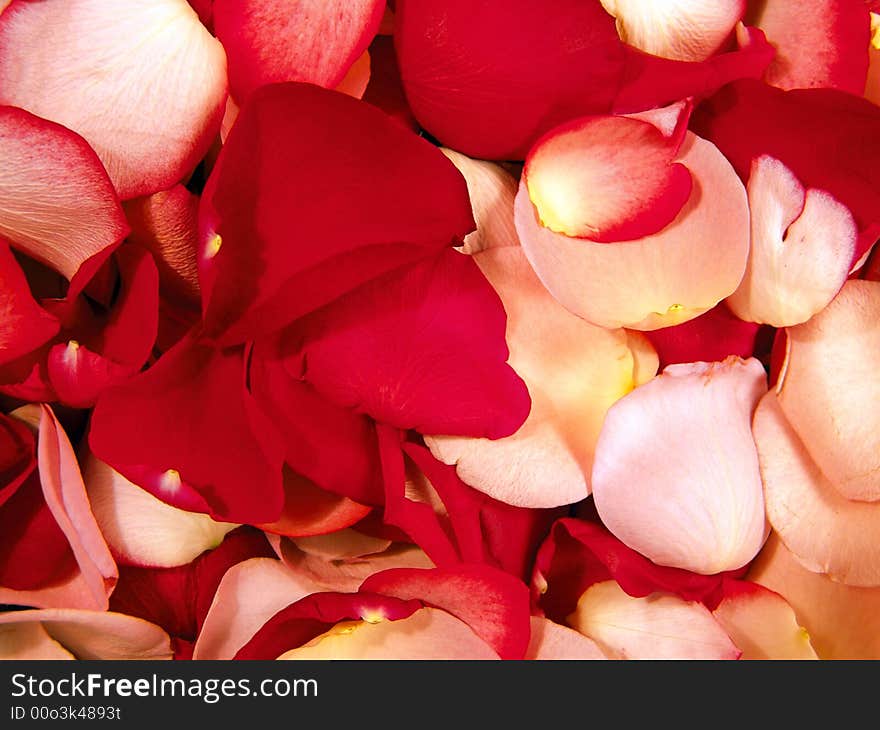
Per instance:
{"type": "Point", "coordinates": [270, 41]}
{"type": "Point", "coordinates": [25, 325]}
{"type": "Point", "coordinates": [18, 456]}
{"type": "Point", "coordinates": [56, 202]}
{"type": "Point", "coordinates": [493, 603]}
{"type": "Point", "coordinates": [153, 118]}
{"type": "Point", "coordinates": [153, 428]}
{"type": "Point", "coordinates": [291, 225]}
{"type": "Point", "coordinates": [819, 43]}
{"type": "Point", "coordinates": [385, 89]}
{"type": "Point", "coordinates": [390, 347]}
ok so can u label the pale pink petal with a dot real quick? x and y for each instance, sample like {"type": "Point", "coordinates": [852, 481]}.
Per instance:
{"type": "Point", "coordinates": [552, 641]}
{"type": "Point", "coordinates": [828, 384]}
{"type": "Point", "coordinates": [803, 243]}
{"type": "Point", "coordinates": [249, 594]}
{"type": "Point", "coordinates": [145, 87]}
{"type": "Point", "coordinates": [90, 586]}
{"type": "Point", "coordinates": [685, 30]}
{"type": "Point", "coordinates": [28, 641]}
{"type": "Point", "coordinates": [827, 532]}
{"type": "Point", "coordinates": [574, 372]}
{"type": "Point", "coordinates": [142, 530]}
{"type": "Point", "coordinates": [56, 202]}
{"type": "Point", "coordinates": [658, 626]}
{"type": "Point", "coordinates": [270, 41]}
{"type": "Point", "coordinates": [843, 621]}
{"type": "Point", "coordinates": [358, 76]}
{"type": "Point", "coordinates": [762, 625]}
{"type": "Point", "coordinates": [676, 475]}
{"type": "Point", "coordinates": [492, 190]}
{"type": "Point", "coordinates": [659, 280]}
{"type": "Point", "coordinates": [606, 178]}
{"type": "Point", "coordinates": [96, 634]}
{"type": "Point", "coordinates": [429, 633]}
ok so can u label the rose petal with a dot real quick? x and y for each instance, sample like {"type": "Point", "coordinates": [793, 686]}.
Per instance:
{"type": "Point", "coordinates": [427, 634]}
{"type": "Point", "coordinates": [144, 430]}
{"type": "Point", "coordinates": [843, 621]}
{"type": "Point", "coordinates": [686, 30]}
{"type": "Point", "coordinates": [658, 626]}
{"type": "Point", "coordinates": [56, 202]}
{"type": "Point", "coordinates": [385, 89]}
{"type": "Point", "coordinates": [803, 243]}
{"type": "Point", "coordinates": [270, 41]}
{"type": "Point", "coordinates": [325, 222]}
{"type": "Point", "coordinates": [820, 43]}
{"type": "Point", "coordinates": [762, 624]}
{"type": "Point", "coordinates": [659, 280]}
{"type": "Point", "coordinates": [355, 82]}
{"type": "Point", "coordinates": [549, 640]}
{"type": "Point", "coordinates": [29, 641]}
{"type": "Point", "coordinates": [704, 511]}
{"type": "Point", "coordinates": [153, 118]}
{"type": "Point", "coordinates": [142, 530]}
{"type": "Point", "coordinates": [94, 634]}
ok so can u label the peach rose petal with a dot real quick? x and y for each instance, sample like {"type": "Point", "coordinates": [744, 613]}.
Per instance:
{"type": "Point", "coordinates": [28, 641]}
{"type": "Point", "coordinates": [429, 633]}
{"type": "Point", "coordinates": [872, 86]}
{"type": "Point", "coordinates": [492, 190]}
{"type": "Point", "coordinates": [803, 243]}
{"type": "Point", "coordinates": [763, 625]}
{"type": "Point", "coordinates": [63, 489]}
{"type": "Point", "coordinates": [702, 511]}
{"type": "Point", "coordinates": [683, 30]}
{"type": "Point", "coordinates": [843, 621]}
{"type": "Point", "coordinates": [549, 640]}
{"type": "Point", "coordinates": [249, 594]}
{"type": "Point", "coordinates": [154, 116]}
{"type": "Point", "coordinates": [270, 41]}
{"type": "Point", "coordinates": [662, 279]}
{"type": "Point", "coordinates": [94, 634]}
{"type": "Point", "coordinates": [825, 531]}
{"type": "Point", "coordinates": [829, 375]}
{"type": "Point", "coordinates": [358, 77]}
{"type": "Point", "coordinates": [574, 371]}
{"type": "Point", "coordinates": [57, 204]}
{"type": "Point", "coordinates": [141, 529]}
{"type": "Point", "coordinates": [658, 626]}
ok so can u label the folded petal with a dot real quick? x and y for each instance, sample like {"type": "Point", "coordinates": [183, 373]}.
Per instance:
{"type": "Point", "coordinates": [686, 30]}
{"type": "Point", "coordinates": [153, 118]}
{"type": "Point", "coordinates": [550, 640]}
{"type": "Point", "coordinates": [843, 621]}
{"type": "Point", "coordinates": [289, 226]}
{"type": "Point", "coordinates": [56, 202]}
{"type": "Point", "coordinates": [606, 179]}
{"type": "Point", "coordinates": [428, 633]}
{"type": "Point", "coordinates": [704, 511]}
{"type": "Point", "coordinates": [84, 571]}
{"type": "Point", "coordinates": [28, 640]}
{"type": "Point", "coordinates": [658, 280]}
{"type": "Point", "coordinates": [142, 530]}
{"type": "Point", "coordinates": [803, 243]}
{"type": "Point", "coordinates": [573, 370]}
{"type": "Point", "coordinates": [388, 348]}
{"type": "Point", "coordinates": [270, 41]}
{"type": "Point", "coordinates": [152, 429]}
{"type": "Point", "coordinates": [762, 624]}
{"type": "Point", "coordinates": [658, 626]}
{"type": "Point", "coordinates": [493, 603]}
{"type": "Point", "coordinates": [90, 634]}
{"type": "Point", "coordinates": [820, 43]}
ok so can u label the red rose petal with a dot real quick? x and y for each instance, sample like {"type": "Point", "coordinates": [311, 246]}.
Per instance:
{"type": "Point", "coordinates": [316, 41]}
{"type": "Point", "coordinates": [56, 202]}
{"type": "Point", "coordinates": [313, 204]}
{"type": "Point", "coordinates": [390, 347]}
{"type": "Point", "coordinates": [145, 429]}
